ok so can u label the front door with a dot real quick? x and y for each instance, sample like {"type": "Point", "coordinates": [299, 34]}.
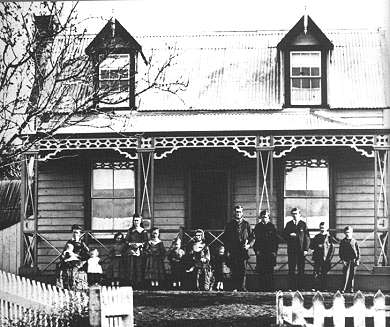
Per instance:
{"type": "Point", "coordinates": [209, 199]}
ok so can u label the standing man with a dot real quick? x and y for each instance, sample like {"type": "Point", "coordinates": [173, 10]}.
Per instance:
{"type": "Point", "coordinates": [298, 241]}
{"type": "Point", "coordinates": [236, 238]}
{"type": "Point", "coordinates": [266, 247]}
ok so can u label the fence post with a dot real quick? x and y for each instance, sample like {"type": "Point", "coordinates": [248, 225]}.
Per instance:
{"type": "Point", "coordinates": [379, 310]}
{"type": "Point", "coordinates": [338, 310]}
{"type": "Point", "coordinates": [297, 309]}
{"type": "Point", "coordinates": [359, 310]}
{"type": "Point", "coordinates": [95, 306]}
{"type": "Point", "coordinates": [279, 308]}
{"type": "Point", "coordinates": [318, 310]}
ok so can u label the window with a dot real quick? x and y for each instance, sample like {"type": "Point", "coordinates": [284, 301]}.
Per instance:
{"type": "Point", "coordinates": [112, 195]}
{"type": "Point", "coordinates": [305, 77]}
{"type": "Point", "coordinates": [306, 186]}
{"type": "Point", "coordinates": [114, 79]}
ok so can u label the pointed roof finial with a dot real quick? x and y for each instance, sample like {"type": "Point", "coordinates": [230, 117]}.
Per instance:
{"type": "Point", "coordinates": [305, 20]}
{"type": "Point", "coordinates": [113, 22]}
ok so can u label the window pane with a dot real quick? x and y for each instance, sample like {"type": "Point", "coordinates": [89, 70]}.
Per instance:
{"type": "Point", "coordinates": [313, 211]}
{"type": "Point", "coordinates": [305, 71]}
{"type": "Point", "coordinates": [296, 71]}
{"type": "Point", "coordinates": [124, 208]}
{"type": "Point", "coordinates": [315, 83]}
{"type": "Point", "coordinates": [317, 181]}
{"type": "Point", "coordinates": [114, 74]}
{"type": "Point", "coordinates": [296, 82]}
{"type": "Point", "coordinates": [305, 83]}
{"type": "Point", "coordinates": [102, 183]}
{"type": "Point", "coordinates": [315, 71]}
{"type": "Point", "coordinates": [124, 183]}
{"type": "Point", "coordinates": [102, 210]}
{"type": "Point", "coordinates": [124, 73]}
{"type": "Point", "coordinates": [295, 181]}
{"type": "Point", "coordinates": [104, 74]}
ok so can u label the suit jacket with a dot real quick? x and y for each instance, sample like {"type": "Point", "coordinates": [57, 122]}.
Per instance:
{"type": "Point", "coordinates": [235, 236]}
{"type": "Point", "coordinates": [349, 250]}
{"type": "Point", "coordinates": [266, 240]}
{"type": "Point", "coordinates": [301, 241]}
{"type": "Point", "coordinates": [322, 247]}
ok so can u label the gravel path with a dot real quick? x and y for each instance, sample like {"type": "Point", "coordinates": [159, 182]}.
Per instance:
{"type": "Point", "coordinates": [189, 309]}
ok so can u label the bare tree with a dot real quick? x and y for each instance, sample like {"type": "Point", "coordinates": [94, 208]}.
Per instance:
{"type": "Point", "coordinates": [48, 82]}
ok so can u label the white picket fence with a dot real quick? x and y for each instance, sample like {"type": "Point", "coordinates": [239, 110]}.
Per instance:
{"type": "Point", "coordinates": [111, 307]}
{"type": "Point", "coordinates": [22, 299]}
{"type": "Point", "coordinates": [39, 304]}
{"type": "Point", "coordinates": [296, 313]}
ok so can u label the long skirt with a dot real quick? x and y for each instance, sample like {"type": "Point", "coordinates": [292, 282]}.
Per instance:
{"type": "Point", "coordinates": [154, 269]}
{"type": "Point", "coordinates": [134, 270]}
{"type": "Point", "coordinates": [74, 279]}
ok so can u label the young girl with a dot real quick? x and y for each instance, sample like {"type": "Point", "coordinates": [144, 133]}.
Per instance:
{"type": "Point", "coordinates": [175, 257]}
{"type": "Point", "coordinates": [155, 254]}
{"type": "Point", "coordinates": [117, 260]}
{"type": "Point", "coordinates": [94, 269]}
{"type": "Point", "coordinates": [221, 269]}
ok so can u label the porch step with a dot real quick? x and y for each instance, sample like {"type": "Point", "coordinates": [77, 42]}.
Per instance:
{"type": "Point", "coordinates": [381, 270]}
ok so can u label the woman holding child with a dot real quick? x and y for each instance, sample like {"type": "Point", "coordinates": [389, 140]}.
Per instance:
{"type": "Point", "coordinates": [198, 262]}
{"type": "Point", "coordinates": [73, 258]}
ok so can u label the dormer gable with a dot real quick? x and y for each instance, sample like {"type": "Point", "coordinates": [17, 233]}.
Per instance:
{"type": "Point", "coordinates": [114, 55]}
{"type": "Point", "coordinates": [113, 37]}
{"type": "Point", "coordinates": [305, 33]}
{"type": "Point", "coordinates": [305, 52]}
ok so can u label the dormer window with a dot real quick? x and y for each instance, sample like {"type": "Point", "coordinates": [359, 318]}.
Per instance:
{"type": "Point", "coordinates": [304, 52]}
{"type": "Point", "coordinates": [113, 53]}
{"type": "Point", "coordinates": [114, 79]}
{"type": "Point", "coordinates": [305, 77]}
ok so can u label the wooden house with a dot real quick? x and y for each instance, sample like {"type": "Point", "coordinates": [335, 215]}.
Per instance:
{"type": "Point", "coordinates": [266, 119]}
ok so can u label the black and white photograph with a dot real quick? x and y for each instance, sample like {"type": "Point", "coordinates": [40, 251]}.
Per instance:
{"type": "Point", "coordinates": [195, 163]}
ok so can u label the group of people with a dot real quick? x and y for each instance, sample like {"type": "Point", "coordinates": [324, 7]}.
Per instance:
{"type": "Point", "coordinates": [138, 259]}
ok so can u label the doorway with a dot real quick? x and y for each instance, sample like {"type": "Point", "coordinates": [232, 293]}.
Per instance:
{"type": "Point", "coordinates": [209, 194]}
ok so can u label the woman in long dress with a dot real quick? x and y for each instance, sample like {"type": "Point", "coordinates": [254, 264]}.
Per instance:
{"type": "Point", "coordinates": [73, 258]}
{"type": "Point", "coordinates": [135, 240]}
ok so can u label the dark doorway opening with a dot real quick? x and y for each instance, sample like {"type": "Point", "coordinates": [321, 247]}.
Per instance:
{"type": "Point", "coordinates": [209, 199]}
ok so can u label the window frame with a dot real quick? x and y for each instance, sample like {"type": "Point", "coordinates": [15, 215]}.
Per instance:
{"type": "Point", "coordinates": [129, 101]}
{"type": "Point", "coordinates": [287, 77]}
{"type": "Point", "coordinates": [303, 77]}
{"type": "Point", "coordinates": [127, 165]}
{"type": "Point", "coordinates": [330, 197]}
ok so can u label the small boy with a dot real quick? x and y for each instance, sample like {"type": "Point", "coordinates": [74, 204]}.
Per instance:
{"type": "Point", "coordinates": [350, 255]}
{"type": "Point", "coordinates": [175, 256]}
{"type": "Point", "coordinates": [323, 249]}
{"type": "Point", "coordinates": [94, 269]}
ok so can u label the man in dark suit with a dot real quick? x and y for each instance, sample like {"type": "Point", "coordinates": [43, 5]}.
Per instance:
{"type": "Point", "coordinates": [265, 247]}
{"type": "Point", "coordinates": [298, 241]}
{"type": "Point", "coordinates": [237, 238]}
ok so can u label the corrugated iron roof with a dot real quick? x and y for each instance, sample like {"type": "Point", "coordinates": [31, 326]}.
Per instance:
{"type": "Point", "coordinates": [288, 119]}
{"type": "Point", "coordinates": [241, 71]}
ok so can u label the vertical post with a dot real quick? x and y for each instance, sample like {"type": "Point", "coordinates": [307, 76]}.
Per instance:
{"type": "Point", "coordinates": [338, 309]}
{"type": "Point", "coordinates": [95, 308]}
{"type": "Point", "coordinates": [387, 201]}
{"type": "Point", "coordinates": [23, 199]}
{"type": "Point", "coordinates": [279, 308]}
{"type": "Point", "coordinates": [298, 309]}
{"type": "Point", "coordinates": [258, 205]}
{"type": "Point", "coordinates": [145, 174]}
{"type": "Point", "coordinates": [379, 310]}
{"type": "Point", "coordinates": [29, 205]}
{"type": "Point", "coordinates": [376, 234]}
{"type": "Point", "coordinates": [359, 310]}
{"type": "Point", "coordinates": [318, 310]}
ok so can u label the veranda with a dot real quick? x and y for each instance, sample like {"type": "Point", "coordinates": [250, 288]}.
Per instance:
{"type": "Point", "coordinates": [56, 190]}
